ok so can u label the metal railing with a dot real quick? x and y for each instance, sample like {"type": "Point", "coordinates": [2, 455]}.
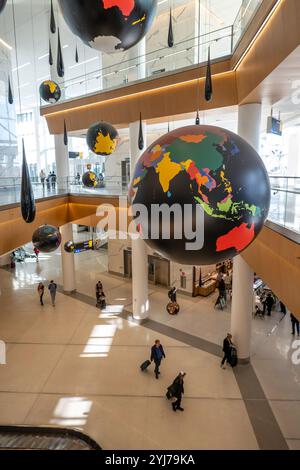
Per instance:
{"type": "Point", "coordinates": [183, 54]}
{"type": "Point", "coordinates": [190, 52]}
{"type": "Point", "coordinates": [285, 195]}
{"type": "Point", "coordinates": [285, 202]}
{"type": "Point", "coordinates": [244, 17]}
{"type": "Point", "coordinates": [10, 188]}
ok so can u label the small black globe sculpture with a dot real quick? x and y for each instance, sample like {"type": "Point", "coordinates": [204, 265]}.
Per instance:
{"type": "Point", "coordinates": [46, 238]}
{"type": "Point", "coordinates": [50, 91]}
{"type": "Point", "coordinates": [2, 5]}
{"type": "Point", "coordinates": [102, 138]}
{"type": "Point", "coordinates": [208, 169]}
{"type": "Point", "coordinates": [89, 179]}
{"type": "Point", "coordinates": [109, 25]}
{"type": "Point", "coordinates": [69, 247]}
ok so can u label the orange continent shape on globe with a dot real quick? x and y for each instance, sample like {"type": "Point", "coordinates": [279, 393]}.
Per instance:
{"type": "Point", "coordinates": [125, 6]}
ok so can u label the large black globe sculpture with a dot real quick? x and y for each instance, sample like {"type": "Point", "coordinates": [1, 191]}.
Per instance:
{"type": "Point", "coordinates": [206, 168]}
{"type": "Point", "coordinates": [109, 25]}
{"type": "Point", "coordinates": [46, 238]}
{"type": "Point", "coordinates": [2, 5]}
{"type": "Point", "coordinates": [102, 138]}
{"type": "Point", "coordinates": [89, 179]}
{"type": "Point", "coordinates": [50, 91]}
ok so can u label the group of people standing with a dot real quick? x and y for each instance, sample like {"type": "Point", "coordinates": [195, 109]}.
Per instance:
{"type": "Point", "coordinates": [52, 287]}
{"type": "Point", "coordinates": [50, 180]}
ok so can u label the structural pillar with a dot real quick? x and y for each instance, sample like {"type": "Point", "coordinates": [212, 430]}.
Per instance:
{"type": "Point", "coordinates": [61, 150]}
{"type": "Point", "coordinates": [249, 120]}
{"type": "Point", "coordinates": [140, 300]}
{"type": "Point", "coordinates": [67, 260]}
{"type": "Point", "coordinates": [62, 162]}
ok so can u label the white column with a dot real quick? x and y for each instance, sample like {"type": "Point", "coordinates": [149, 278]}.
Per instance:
{"type": "Point", "coordinates": [62, 161]}
{"type": "Point", "coordinates": [61, 150]}
{"type": "Point", "coordinates": [67, 260]}
{"type": "Point", "coordinates": [140, 300]}
{"type": "Point", "coordinates": [249, 120]}
{"type": "Point", "coordinates": [137, 57]}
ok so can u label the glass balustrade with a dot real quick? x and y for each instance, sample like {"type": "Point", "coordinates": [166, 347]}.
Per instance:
{"type": "Point", "coordinates": [284, 210]}
{"type": "Point", "coordinates": [183, 54]}
{"type": "Point", "coordinates": [244, 17]}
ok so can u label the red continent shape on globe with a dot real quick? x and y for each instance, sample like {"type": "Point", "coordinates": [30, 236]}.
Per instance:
{"type": "Point", "coordinates": [238, 238]}
{"type": "Point", "coordinates": [125, 6]}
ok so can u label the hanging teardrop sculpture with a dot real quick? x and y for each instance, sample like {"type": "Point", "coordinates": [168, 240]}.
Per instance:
{"type": "Point", "coordinates": [10, 94]}
{"type": "Point", "coordinates": [141, 135]}
{"type": "Point", "coordinates": [52, 20]}
{"type": "Point", "coordinates": [65, 133]}
{"type": "Point", "coordinates": [76, 55]}
{"type": "Point", "coordinates": [28, 208]}
{"type": "Point", "coordinates": [50, 54]}
{"type": "Point", "coordinates": [60, 60]}
{"type": "Point", "coordinates": [171, 33]}
{"type": "Point", "coordinates": [208, 81]}
{"type": "Point", "coordinates": [197, 122]}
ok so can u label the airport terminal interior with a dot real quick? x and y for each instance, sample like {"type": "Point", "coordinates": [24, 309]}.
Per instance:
{"type": "Point", "coordinates": [150, 224]}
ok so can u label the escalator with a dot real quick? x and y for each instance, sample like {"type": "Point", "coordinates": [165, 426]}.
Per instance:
{"type": "Point", "coordinates": [44, 438]}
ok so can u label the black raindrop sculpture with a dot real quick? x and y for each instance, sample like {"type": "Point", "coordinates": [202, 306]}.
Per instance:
{"type": "Point", "coordinates": [60, 60]}
{"type": "Point", "coordinates": [208, 80]}
{"type": "Point", "coordinates": [52, 20]}
{"type": "Point", "coordinates": [65, 134]}
{"type": "Point", "coordinates": [50, 54]}
{"type": "Point", "coordinates": [2, 5]}
{"type": "Point", "coordinates": [76, 55]}
{"type": "Point", "coordinates": [197, 122]}
{"type": "Point", "coordinates": [171, 33]}
{"type": "Point", "coordinates": [10, 93]}
{"type": "Point", "coordinates": [141, 135]}
{"type": "Point", "coordinates": [28, 208]}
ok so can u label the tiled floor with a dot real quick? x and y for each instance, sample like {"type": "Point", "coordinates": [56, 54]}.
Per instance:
{"type": "Point", "coordinates": [74, 366]}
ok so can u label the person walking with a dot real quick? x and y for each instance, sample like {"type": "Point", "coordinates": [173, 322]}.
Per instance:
{"type": "Point", "coordinates": [36, 252]}
{"type": "Point", "coordinates": [295, 324]}
{"type": "Point", "coordinates": [227, 345]}
{"type": "Point", "coordinates": [41, 291]}
{"type": "Point", "coordinates": [157, 353]}
{"type": "Point", "coordinates": [269, 302]}
{"type": "Point", "coordinates": [282, 308]}
{"type": "Point", "coordinates": [172, 294]}
{"type": "Point", "coordinates": [42, 178]}
{"type": "Point", "coordinates": [177, 391]}
{"type": "Point", "coordinates": [53, 180]}
{"type": "Point", "coordinates": [52, 288]}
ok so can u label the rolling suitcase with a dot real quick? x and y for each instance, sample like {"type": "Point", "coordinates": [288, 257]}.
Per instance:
{"type": "Point", "coordinates": [145, 365]}
{"type": "Point", "coordinates": [233, 357]}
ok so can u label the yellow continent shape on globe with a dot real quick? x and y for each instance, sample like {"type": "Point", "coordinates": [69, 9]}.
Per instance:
{"type": "Point", "coordinates": [51, 85]}
{"type": "Point", "coordinates": [105, 144]}
{"type": "Point", "coordinates": [167, 170]}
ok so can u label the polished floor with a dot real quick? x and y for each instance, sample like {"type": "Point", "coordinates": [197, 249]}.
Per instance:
{"type": "Point", "coordinates": [73, 365]}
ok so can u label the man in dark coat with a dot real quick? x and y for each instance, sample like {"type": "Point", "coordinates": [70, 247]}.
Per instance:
{"type": "Point", "coordinates": [227, 344]}
{"type": "Point", "coordinates": [157, 353]}
{"type": "Point", "coordinates": [295, 324]}
{"type": "Point", "coordinates": [177, 391]}
{"type": "Point", "coordinates": [269, 302]}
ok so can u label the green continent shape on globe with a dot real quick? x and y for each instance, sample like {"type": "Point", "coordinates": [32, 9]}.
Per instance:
{"type": "Point", "coordinates": [198, 156]}
{"type": "Point", "coordinates": [203, 152]}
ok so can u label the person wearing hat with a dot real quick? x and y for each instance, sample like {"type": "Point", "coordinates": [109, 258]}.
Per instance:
{"type": "Point", "coordinates": [227, 344]}
{"type": "Point", "coordinates": [178, 391]}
